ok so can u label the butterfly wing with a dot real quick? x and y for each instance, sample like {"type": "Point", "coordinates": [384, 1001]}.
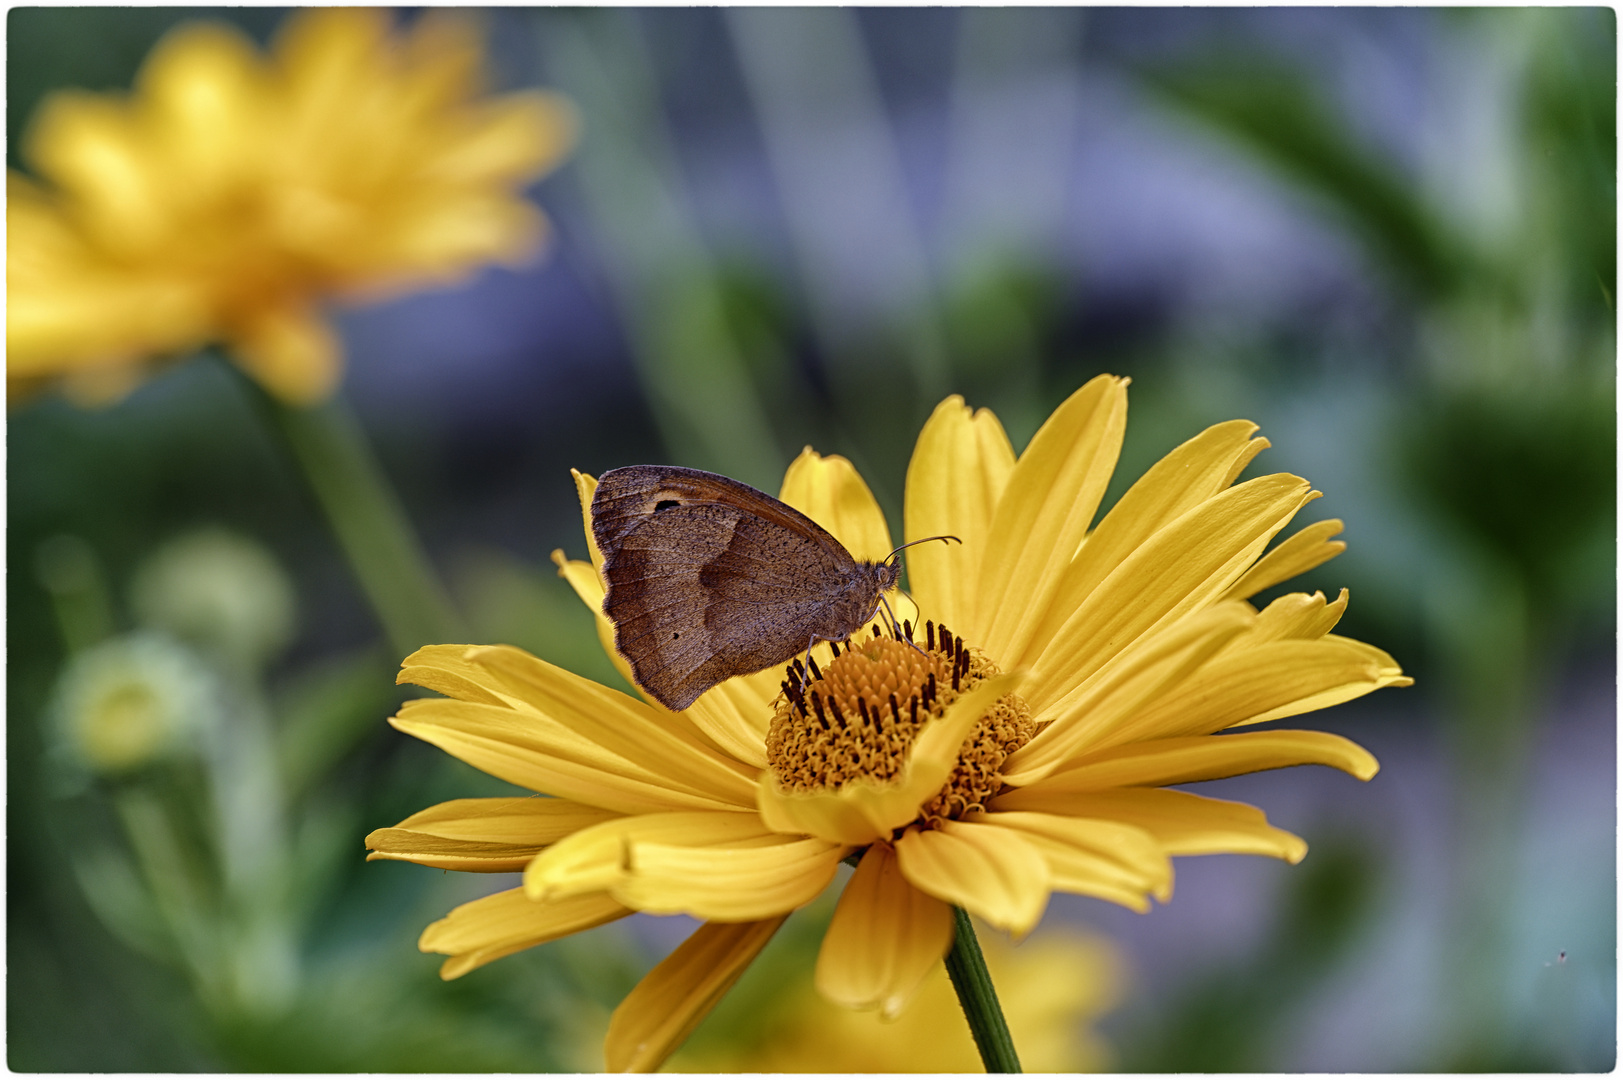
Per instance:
{"type": "Point", "coordinates": [709, 578]}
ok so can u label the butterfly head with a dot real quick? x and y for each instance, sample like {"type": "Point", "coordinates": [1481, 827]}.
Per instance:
{"type": "Point", "coordinates": [884, 575]}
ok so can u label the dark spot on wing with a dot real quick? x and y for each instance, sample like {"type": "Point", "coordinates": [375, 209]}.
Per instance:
{"type": "Point", "coordinates": [665, 504]}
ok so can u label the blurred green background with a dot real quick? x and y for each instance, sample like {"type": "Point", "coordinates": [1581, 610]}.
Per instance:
{"type": "Point", "coordinates": [1388, 236]}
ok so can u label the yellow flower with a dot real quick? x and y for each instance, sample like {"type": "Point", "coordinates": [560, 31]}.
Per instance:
{"type": "Point", "coordinates": [1066, 677]}
{"type": "Point", "coordinates": [1051, 988]}
{"type": "Point", "coordinates": [233, 194]}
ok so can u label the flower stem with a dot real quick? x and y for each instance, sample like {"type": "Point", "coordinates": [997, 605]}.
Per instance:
{"type": "Point", "coordinates": [967, 969]}
{"type": "Point", "coordinates": [370, 524]}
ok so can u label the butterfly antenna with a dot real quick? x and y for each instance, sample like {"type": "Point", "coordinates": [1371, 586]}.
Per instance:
{"type": "Point", "coordinates": [925, 540]}
{"type": "Point", "coordinates": [896, 627]}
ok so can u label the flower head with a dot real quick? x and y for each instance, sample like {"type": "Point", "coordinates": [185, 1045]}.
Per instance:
{"type": "Point", "coordinates": [1066, 676]}
{"type": "Point", "coordinates": [130, 701]}
{"type": "Point", "coordinates": [219, 590]}
{"type": "Point", "coordinates": [232, 194]}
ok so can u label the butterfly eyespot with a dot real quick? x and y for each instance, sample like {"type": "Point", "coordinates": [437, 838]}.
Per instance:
{"type": "Point", "coordinates": [665, 504]}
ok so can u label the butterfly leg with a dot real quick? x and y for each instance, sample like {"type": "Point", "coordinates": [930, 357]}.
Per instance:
{"type": "Point", "coordinates": [811, 671]}
{"type": "Point", "coordinates": [896, 627]}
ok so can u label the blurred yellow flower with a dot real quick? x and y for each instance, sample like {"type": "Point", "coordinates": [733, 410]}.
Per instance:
{"type": "Point", "coordinates": [1052, 987]}
{"type": "Point", "coordinates": [233, 194]}
{"type": "Point", "coordinates": [1027, 749]}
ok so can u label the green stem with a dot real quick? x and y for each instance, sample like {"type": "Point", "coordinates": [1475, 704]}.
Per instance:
{"type": "Point", "coordinates": [371, 527]}
{"type": "Point", "coordinates": [68, 568]}
{"type": "Point", "coordinates": [967, 969]}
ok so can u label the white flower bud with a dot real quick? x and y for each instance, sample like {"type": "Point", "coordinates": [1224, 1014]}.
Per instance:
{"type": "Point", "coordinates": [219, 591]}
{"type": "Point", "coordinates": [132, 700]}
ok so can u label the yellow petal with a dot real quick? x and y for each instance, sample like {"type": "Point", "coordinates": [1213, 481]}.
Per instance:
{"type": "Point", "coordinates": [1183, 567]}
{"type": "Point", "coordinates": [735, 718]}
{"type": "Point", "coordinates": [1389, 674]}
{"type": "Point", "coordinates": [1110, 860]}
{"type": "Point", "coordinates": [660, 741]}
{"type": "Point", "coordinates": [1302, 552]}
{"type": "Point", "coordinates": [327, 55]}
{"type": "Point", "coordinates": [473, 856]}
{"type": "Point", "coordinates": [584, 578]}
{"type": "Point", "coordinates": [446, 669]}
{"type": "Point", "coordinates": [508, 922]}
{"type": "Point", "coordinates": [935, 751]}
{"type": "Point", "coordinates": [526, 819]}
{"type": "Point", "coordinates": [960, 466]}
{"type": "Point", "coordinates": [203, 93]}
{"type": "Point", "coordinates": [1185, 478]}
{"type": "Point", "coordinates": [439, 235]}
{"type": "Point", "coordinates": [842, 820]}
{"type": "Point", "coordinates": [507, 139]}
{"type": "Point", "coordinates": [1183, 824]}
{"type": "Point", "coordinates": [1161, 762]}
{"type": "Point", "coordinates": [483, 835]}
{"type": "Point", "coordinates": [862, 812]}
{"type": "Point", "coordinates": [291, 351]}
{"type": "Point", "coordinates": [94, 150]}
{"type": "Point", "coordinates": [598, 857]}
{"type": "Point", "coordinates": [74, 312]}
{"type": "Point", "coordinates": [1105, 707]}
{"type": "Point", "coordinates": [992, 872]}
{"type": "Point", "coordinates": [830, 492]}
{"type": "Point", "coordinates": [680, 991]}
{"type": "Point", "coordinates": [1045, 511]}
{"type": "Point", "coordinates": [885, 937]}
{"type": "Point", "coordinates": [440, 60]}
{"type": "Point", "coordinates": [1296, 615]}
{"type": "Point", "coordinates": [535, 752]}
{"type": "Point", "coordinates": [587, 582]}
{"type": "Point", "coordinates": [760, 689]}
{"type": "Point", "coordinates": [585, 489]}
{"type": "Point", "coordinates": [752, 880]}
{"type": "Point", "coordinates": [1268, 681]}
{"type": "Point", "coordinates": [69, 313]}
{"type": "Point", "coordinates": [356, 123]}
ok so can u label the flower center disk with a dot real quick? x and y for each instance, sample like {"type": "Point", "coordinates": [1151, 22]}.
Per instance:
{"type": "Point", "coordinates": [857, 719]}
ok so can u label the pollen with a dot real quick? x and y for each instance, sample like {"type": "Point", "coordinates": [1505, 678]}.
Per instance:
{"type": "Point", "coordinates": [858, 719]}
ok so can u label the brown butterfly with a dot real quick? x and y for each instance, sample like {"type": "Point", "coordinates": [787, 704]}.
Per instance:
{"type": "Point", "coordinates": [709, 578]}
